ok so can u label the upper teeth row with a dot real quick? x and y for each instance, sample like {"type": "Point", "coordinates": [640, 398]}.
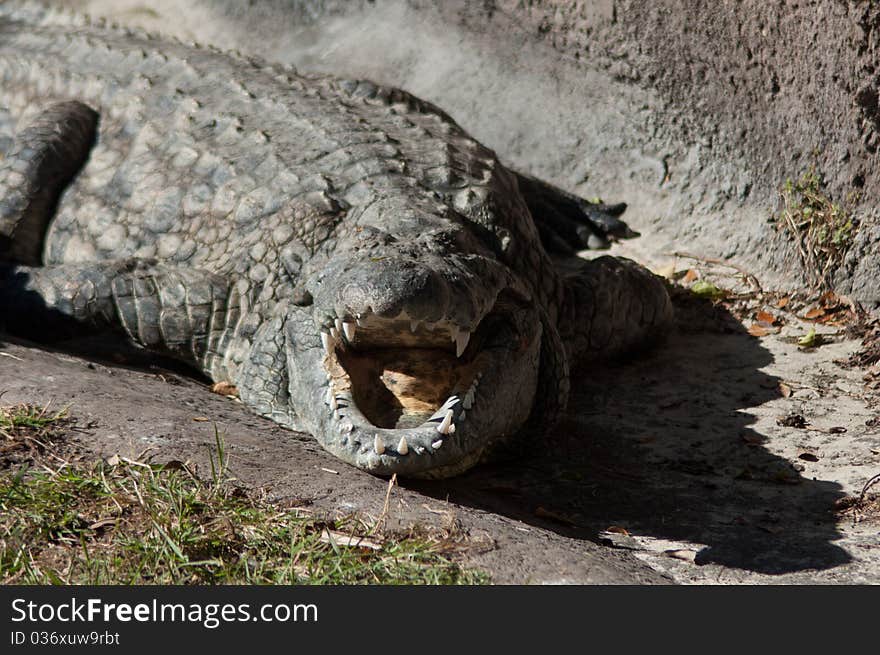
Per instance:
{"type": "Point", "coordinates": [331, 337]}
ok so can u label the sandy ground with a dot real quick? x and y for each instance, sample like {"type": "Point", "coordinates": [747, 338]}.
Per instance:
{"type": "Point", "coordinates": [672, 467]}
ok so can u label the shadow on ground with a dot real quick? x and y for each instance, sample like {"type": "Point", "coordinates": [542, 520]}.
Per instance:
{"type": "Point", "coordinates": [663, 447]}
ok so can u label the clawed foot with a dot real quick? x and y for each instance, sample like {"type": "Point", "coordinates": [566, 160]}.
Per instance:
{"type": "Point", "coordinates": [568, 223]}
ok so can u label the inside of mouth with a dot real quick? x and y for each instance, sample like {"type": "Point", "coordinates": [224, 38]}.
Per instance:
{"type": "Point", "coordinates": [397, 388]}
{"type": "Point", "coordinates": [402, 372]}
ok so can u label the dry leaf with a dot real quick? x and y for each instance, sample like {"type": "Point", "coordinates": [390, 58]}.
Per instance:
{"type": "Point", "coordinates": [765, 317]}
{"type": "Point", "coordinates": [782, 302]}
{"type": "Point", "coordinates": [785, 390]}
{"type": "Point", "coordinates": [616, 529]}
{"type": "Point", "coordinates": [829, 299]}
{"type": "Point", "coordinates": [103, 522]}
{"type": "Point", "coordinates": [201, 419]}
{"type": "Point", "coordinates": [816, 312]}
{"type": "Point", "coordinates": [342, 539]}
{"type": "Point", "coordinates": [225, 389]}
{"type": "Point", "coordinates": [758, 330]}
{"type": "Point", "coordinates": [666, 271]}
{"type": "Point", "coordinates": [690, 276]}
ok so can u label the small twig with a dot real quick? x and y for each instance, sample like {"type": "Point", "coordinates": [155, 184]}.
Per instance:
{"type": "Point", "coordinates": [385, 506]}
{"type": "Point", "coordinates": [870, 483]}
{"type": "Point", "coordinates": [720, 262]}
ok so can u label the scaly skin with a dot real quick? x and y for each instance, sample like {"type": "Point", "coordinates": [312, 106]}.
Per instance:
{"type": "Point", "coordinates": [343, 253]}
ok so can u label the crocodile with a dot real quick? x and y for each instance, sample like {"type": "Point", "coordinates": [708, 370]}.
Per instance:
{"type": "Point", "coordinates": [342, 252]}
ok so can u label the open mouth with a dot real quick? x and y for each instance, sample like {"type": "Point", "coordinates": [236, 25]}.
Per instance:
{"type": "Point", "coordinates": [412, 383]}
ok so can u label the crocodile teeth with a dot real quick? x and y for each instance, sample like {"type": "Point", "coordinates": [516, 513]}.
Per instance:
{"type": "Point", "coordinates": [337, 322]}
{"type": "Point", "coordinates": [334, 333]}
{"type": "Point", "coordinates": [328, 342]}
{"type": "Point", "coordinates": [403, 447]}
{"type": "Point", "coordinates": [334, 403]}
{"type": "Point", "coordinates": [446, 426]}
{"type": "Point", "coordinates": [413, 326]}
{"type": "Point", "coordinates": [436, 445]}
{"type": "Point", "coordinates": [461, 342]}
{"type": "Point", "coordinates": [349, 329]}
{"type": "Point", "coordinates": [379, 445]}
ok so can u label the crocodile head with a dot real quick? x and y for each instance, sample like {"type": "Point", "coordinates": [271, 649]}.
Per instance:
{"type": "Point", "coordinates": [416, 355]}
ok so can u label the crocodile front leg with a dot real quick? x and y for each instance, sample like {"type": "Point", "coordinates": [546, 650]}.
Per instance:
{"type": "Point", "coordinates": [194, 316]}
{"type": "Point", "coordinates": [40, 163]}
{"type": "Point", "coordinates": [186, 313]}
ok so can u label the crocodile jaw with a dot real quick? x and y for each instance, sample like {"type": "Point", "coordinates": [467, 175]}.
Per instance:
{"type": "Point", "coordinates": [392, 395]}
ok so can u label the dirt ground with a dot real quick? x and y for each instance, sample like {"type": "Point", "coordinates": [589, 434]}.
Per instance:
{"type": "Point", "coordinates": [670, 468]}
{"type": "Point", "coordinates": [718, 457]}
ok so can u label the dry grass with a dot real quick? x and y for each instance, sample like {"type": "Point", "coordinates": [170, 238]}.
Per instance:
{"type": "Point", "coordinates": [821, 229]}
{"type": "Point", "coordinates": [127, 522]}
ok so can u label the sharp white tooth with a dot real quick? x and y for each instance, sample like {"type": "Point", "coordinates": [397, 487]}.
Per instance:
{"type": "Point", "coordinates": [451, 429]}
{"type": "Point", "coordinates": [453, 333]}
{"type": "Point", "coordinates": [334, 333]}
{"type": "Point", "coordinates": [337, 322]}
{"type": "Point", "coordinates": [329, 398]}
{"type": "Point", "coordinates": [403, 447]}
{"type": "Point", "coordinates": [334, 404]}
{"type": "Point", "coordinates": [443, 428]}
{"type": "Point", "coordinates": [328, 342]}
{"type": "Point", "coordinates": [461, 416]}
{"type": "Point", "coordinates": [413, 326]}
{"type": "Point", "coordinates": [468, 400]}
{"type": "Point", "coordinates": [378, 444]}
{"type": "Point", "coordinates": [461, 342]}
{"type": "Point", "coordinates": [437, 444]}
{"type": "Point", "coordinates": [349, 329]}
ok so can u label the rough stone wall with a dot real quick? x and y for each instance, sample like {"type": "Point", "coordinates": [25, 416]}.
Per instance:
{"type": "Point", "coordinates": [776, 86]}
